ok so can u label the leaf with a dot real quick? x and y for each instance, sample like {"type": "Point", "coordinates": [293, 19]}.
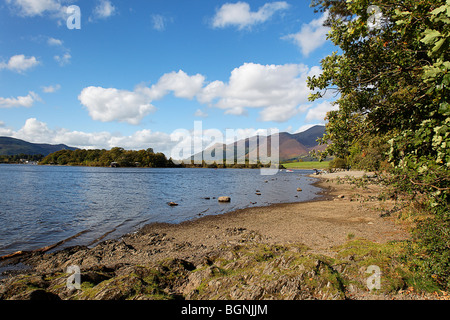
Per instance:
{"type": "Point", "coordinates": [444, 108]}
{"type": "Point", "coordinates": [430, 36]}
{"type": "Point", "coordinates": [446, 80]}
{"type": "Point", "coordinates": [439, 10]}
{"type": "Point", "coordinates": [438, 45]}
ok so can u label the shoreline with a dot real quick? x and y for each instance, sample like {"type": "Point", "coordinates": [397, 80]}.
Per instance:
{"type": "Point", "coordinates": [312, 229]}
{"type": "Point", "coordinates": [246, 218]}
{"type": "Point", "coordinates": [52, 247]}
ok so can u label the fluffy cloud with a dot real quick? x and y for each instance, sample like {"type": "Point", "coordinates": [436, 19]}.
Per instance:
{"type": "Point", "coordinates": [51, 88]}
{"type": "Point", "coordinates": [159, 22]}
{"type": "Point", "coordinates": [239, 14]}
{"type": "Point", "coordinates": [104, 9]}
{"type": "Point", "coordinates": [279, 90]}
{"type": "Point", "coordinates": [200, 113]}
{"type": "Point", "coordinates": [38, 132]}
{"type": "Point", "coordinates": [54, 42]}
{"type": "Point", "coordinates": [311, 36]}
{"type": "Point", "coordinates": [19, 63]}
{"type": "Point", "coordinates": [110, 104]}
{"type": "Point", "coordinates": [22, 101]}
{"type": "Point", "coordinates": [30, 8]}
{"type": "Point", "coordinates": [181, 84]}
{"type": "Point", "coordinates": [320, 111]}
{"type": "Point", "coordinates": [63, 59]}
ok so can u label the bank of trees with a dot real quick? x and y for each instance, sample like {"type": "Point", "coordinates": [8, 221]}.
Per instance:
{"type": "Point", "coordinates": [20, 158]}
{"type": "Point", "coordinates": [104, 158]}
{"type": "Point", "coordinates": [391, 78]}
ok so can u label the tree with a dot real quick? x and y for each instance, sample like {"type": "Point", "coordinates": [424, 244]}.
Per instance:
{"type": "Point", "coordinates": [392, 84]}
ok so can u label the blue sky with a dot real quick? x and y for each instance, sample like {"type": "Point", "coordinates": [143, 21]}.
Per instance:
{"type": "Point", "coordinates": [138, 70]}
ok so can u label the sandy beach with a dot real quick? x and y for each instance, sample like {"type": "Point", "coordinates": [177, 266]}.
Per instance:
{"type": "Point", "coordinates": [310, 229]}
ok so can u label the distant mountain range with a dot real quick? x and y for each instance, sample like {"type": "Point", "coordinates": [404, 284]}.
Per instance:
{"type": "Point", "coordinates": [291, 146]}
{"type": "Point", "coordinates": [12, 146]}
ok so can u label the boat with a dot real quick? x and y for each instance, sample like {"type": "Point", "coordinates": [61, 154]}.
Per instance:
{"type": "Point", "coordinates": [287, 170]}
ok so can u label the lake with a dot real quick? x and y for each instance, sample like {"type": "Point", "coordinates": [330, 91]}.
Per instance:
{"type": "Point", "coordinates": [41, 205]}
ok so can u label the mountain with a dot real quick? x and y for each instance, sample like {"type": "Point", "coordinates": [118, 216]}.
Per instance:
{"type": "Point", "coordinates": [291, 146]}
{"type": "Point", "coordinates": [12, 146]}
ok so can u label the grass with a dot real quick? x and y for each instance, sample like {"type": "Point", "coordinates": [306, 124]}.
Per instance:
{"type": "Point", "coordinates": [306, 165]}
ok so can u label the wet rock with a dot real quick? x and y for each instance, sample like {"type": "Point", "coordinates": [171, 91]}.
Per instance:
{"type": "Point", "coordinates": [224, 199]}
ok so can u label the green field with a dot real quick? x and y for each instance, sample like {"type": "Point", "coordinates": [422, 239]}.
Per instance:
{"type": "Point", "coordinates": [307, 165]}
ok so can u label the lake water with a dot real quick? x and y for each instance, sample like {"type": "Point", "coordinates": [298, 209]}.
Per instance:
{"type": "Point", "coordinates": [41, 205]}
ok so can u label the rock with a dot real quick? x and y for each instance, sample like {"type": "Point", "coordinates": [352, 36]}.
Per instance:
{"type": "Point", "coordinates": [341, 196]}
{"type": "Point", "coordinates": [224, 199]}
{"type": "Point", "coordinates": [172, 204]}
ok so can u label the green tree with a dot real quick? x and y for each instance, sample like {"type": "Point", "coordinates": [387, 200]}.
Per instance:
{"type": "Point", "coordinates": [392, 84]}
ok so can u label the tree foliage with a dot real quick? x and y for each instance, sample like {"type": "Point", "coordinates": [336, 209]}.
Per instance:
{"type": "Point", "coordinates": [392, 85]}
{"type": "Point", "coordinates": [105, 158]}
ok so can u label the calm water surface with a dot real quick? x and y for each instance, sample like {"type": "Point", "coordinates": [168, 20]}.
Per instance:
{"type": "Point", "coordinates": [41, 205]}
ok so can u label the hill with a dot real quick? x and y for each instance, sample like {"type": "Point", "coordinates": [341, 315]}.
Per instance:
{"type": "Point", "coordinates": [291, 146]}
{"type": "Point", "coordinates": [12, 146]}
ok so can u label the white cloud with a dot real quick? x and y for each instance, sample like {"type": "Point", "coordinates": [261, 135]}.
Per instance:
{"type": "Point", "coordinates": [239, 14]}
{"type": "Point", "coordinates": [278, 90]}
{"type": "Point", "coordinates": [311, 35]}
{"type": "Point", "coordinates": [181, 84]}
{"type": "Point", "coordinates": [110, 104]}
{"type": "Point", "coordinates": [306, 127]}
{"type": "Point", "coordinates": [34, 130]}
{"type": "Point", "coordinates": [104, 9]}
{"type": "Point", "coordinates": [160, 22]}
{"type": "Point", "coordinates": [200, 113]}
{"type": "Point", "coordinates": [54, 42]}
{"type": "Point", "coordinates": [30, 8]}
{"type": "Point", "coordinates": [21, 101]}
{"type": "Point", "coordinates": [320, 111]}
{"type": "Point", "coordinates": [19, 63]}
{"type": "Point", "coordinates": [63, 59]}
{"type": "Point", "coordinates": [51, 88]}
{"type": "Point", "coordinates": [38, 132]}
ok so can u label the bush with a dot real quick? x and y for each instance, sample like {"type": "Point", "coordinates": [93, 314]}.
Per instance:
{"type": "Point", "coordinates": [338, 163]}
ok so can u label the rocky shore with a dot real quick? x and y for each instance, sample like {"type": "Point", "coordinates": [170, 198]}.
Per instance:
{"type": "Point", "coordinates": [312, 250]}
